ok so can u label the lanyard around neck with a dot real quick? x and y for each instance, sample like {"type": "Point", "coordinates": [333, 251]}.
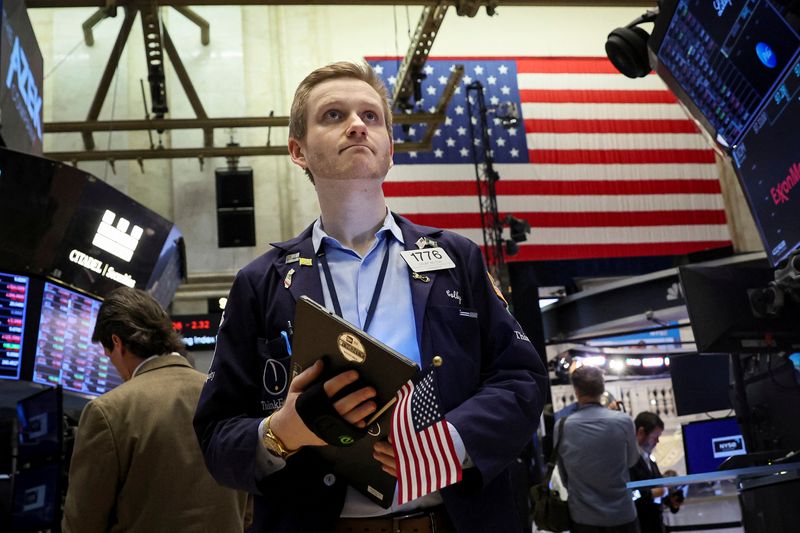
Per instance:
{"type": "Point", "coordinates": [376, 294]}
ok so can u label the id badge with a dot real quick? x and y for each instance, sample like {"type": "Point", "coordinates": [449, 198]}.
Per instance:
{"type": "Point", "coordinates": [427, 259]}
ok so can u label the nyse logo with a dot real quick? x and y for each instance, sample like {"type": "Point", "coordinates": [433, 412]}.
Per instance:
{"type": "Point", "coordinates": [115, 239]}
{"type": "Point", "coordinates": [728, 446]}
{"type": "Point", "coordinates": [20, 69]}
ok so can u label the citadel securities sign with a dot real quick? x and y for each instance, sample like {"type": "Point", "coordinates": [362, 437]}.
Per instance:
{"type": "Point", "coordinates": [780, 193]}
{"type": "Point", "coordinates": [104, 269]}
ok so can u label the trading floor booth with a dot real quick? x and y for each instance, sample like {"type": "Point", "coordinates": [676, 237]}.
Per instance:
{"type": "Point", "coordinates": [67, 239]}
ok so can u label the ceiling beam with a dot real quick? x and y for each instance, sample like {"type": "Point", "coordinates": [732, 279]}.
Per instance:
{"type": "Point", "coordinates": [386, 3]}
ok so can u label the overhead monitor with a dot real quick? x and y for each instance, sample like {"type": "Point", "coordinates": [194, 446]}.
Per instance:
{"type": "Point", "coordinates": [66, 224]}
{"type": "Point", "coordinates": [767, 159]}
{"type": "Point", "coordinates": [708, 443]}
{"type": "Point", "coordinates": [21, 81]}
{"type": "Point", "coordinates": [723, 59]}
{"type": "Point", "coordinates": [40, 427]}
{"type": "Point", "coordinates": [65, 353]}
{"type": "Point", "coordinates": [14, 291]}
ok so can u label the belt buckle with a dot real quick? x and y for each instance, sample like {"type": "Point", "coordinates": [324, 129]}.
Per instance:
{"type": "Point", "coordinates": [396, 520]}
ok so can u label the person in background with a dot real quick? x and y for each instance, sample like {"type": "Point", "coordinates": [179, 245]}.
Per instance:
{"type": "Point", "coordinates": [350, 260]}
{"type": "Point", "coordinates": [596, 447]}
{"type": "Point", "coordinates": [649, 428]}
{"type": "Point", "coordinates": [136, 466]}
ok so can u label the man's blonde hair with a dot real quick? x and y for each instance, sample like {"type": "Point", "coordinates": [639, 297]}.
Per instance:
{"type": "Point", "coordinates": [298, 118]}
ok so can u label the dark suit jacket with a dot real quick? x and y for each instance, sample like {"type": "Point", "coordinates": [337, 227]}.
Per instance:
{"type": "Point", "coordinates": [648, 511]}
{"type": "Point", "coordinates": [136, 467]}
{"type": "Point", "coordinates": [490, 386]}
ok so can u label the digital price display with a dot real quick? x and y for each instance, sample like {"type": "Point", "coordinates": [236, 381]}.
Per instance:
{"type": "Point", "coordinates": [13, 297]}
{"type": "Point", "coordinates": [65, 353]}
{"type": "Point", "coordinates": [198, 332]}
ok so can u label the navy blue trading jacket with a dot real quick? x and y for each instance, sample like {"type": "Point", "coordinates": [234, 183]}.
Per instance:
{"type": "Point", "coordinates": [491, 387]}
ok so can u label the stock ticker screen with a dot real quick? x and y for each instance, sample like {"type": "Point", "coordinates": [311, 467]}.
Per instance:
{"type": "Point", "coordinates": [768, 163]}
{"type": "Point", "coordinates": [65, 353]}
{"type": "Point", "coordinates": [13, 299]}
{"type": "Point", "coordinates": [728, 56]}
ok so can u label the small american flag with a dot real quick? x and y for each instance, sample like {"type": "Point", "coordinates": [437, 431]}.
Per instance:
{"type": "Point", "coordinates": [425, 457]}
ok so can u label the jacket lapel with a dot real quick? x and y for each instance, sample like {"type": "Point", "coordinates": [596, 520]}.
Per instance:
{"type": "Point", "coordinates": [420, 290]}
{"type": "Point", "coordinates": [303, 280]}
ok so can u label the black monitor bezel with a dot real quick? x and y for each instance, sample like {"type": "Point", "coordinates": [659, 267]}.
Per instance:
{"type": "Point", "coordinates": [59, 402]}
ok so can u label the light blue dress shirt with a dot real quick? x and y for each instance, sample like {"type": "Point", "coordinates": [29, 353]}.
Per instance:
{"type": "Point", "coordinates": [355, 279]}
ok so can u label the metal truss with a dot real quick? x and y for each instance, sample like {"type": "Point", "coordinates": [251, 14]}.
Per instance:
{"type": "Point", "coordinates": [486, 178]}
{"type": "Point", "coordinates": [157, 44]}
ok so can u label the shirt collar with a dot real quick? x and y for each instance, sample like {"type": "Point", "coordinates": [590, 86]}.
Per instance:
{"type": "Point", "coordinates": [389, 224]}
{"type": "Point", "coordinates": [139, 366]}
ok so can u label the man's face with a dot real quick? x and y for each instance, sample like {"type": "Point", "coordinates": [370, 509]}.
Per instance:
{"type": "Point", "coordinates": [346, 135]}
{"type": "Point", "coordinates": [648, 441]}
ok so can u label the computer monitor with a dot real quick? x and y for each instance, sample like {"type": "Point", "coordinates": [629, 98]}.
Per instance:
{"type": "Point", "coordinates": [14, 291]}
{"type": "Point", "coordinates": [767, 161]}
{"type": "Point", "coordinates": [723, 59]}
{"type": "Point", "coordinates": [40, 427]}
{"type": "Point", "coordinates": [700, 383]}
{"type": "Point", "coordinates": [718, 303]}
{"type": "Point", "coordinates": [707, 443]}
{"type": "Point", "coordinates": [736, 67]}
{"type": "Point", "coordinates": [37, 498]}
{"type": "Point", "coordinates": [65, 353]}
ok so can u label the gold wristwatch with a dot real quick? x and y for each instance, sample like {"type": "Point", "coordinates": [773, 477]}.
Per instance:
{"type": "Point", "coordinates": [273, 444]}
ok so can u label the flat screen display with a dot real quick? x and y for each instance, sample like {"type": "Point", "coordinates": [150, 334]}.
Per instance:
{"type": "Point", "coordinates": [21, 81]}
{"type": "Point", "coordinates": [65, 353]}
{"type": "Point", "coordinates": [37, 498]}
{"type": "Point", "coordinates": [13, 304]}
{"type": "Point", "coordinates": [709, 442]}
{"type": "Point", "coordinates": [767, 161]}
{"type": "Point", "coordinates": [727, 57]}
{"type": "Point", "coordinates": [40, 426]}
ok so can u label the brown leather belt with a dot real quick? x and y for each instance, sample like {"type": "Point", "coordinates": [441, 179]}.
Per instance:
{"type": "Point", "coordinates": [435, 521]}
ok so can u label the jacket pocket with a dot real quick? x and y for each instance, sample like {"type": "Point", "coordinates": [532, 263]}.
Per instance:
{"type": "Point", "coordinates": [275, 366]}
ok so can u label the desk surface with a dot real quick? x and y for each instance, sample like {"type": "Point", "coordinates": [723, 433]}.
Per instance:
{"type": "Point", "coordinates": [737, 473]}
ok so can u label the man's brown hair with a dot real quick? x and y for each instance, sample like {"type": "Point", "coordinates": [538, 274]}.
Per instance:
{"type": "Point", "coordinates": [298, 118]}
{"type": "Point", "coordinates": [139, 321]}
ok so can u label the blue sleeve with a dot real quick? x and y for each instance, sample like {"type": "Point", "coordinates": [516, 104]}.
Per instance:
{"type": "Point", "coordinates": [227, 418]}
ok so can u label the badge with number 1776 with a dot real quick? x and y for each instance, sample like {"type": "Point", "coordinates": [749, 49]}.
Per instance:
{"type": "Point", "coordinates": [427, 259]}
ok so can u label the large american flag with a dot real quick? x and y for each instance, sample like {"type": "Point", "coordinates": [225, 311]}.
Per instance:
{"type": "Point", "coordinates": [425, 457]}
{"type": "Point", "coordinates": [600, 166]}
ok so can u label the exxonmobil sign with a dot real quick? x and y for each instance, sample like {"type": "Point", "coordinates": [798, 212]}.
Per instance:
{"type": "Point", "coordinates": [780, 193]}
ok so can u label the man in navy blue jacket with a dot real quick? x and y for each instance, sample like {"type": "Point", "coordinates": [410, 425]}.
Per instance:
{"type": "Point", "coordinates": [490, 384]}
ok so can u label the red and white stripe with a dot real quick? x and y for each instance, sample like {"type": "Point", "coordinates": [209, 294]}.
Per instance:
{"type": "Point", "coordinates": [425, 461]}
{"type": "Point", "coordinates": [617, 169]}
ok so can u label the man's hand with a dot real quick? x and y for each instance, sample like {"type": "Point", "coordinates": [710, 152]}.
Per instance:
{"type": "Point", "coordinates": [355, 407]}
{"type": "Point", "coordinates": [383, 452]}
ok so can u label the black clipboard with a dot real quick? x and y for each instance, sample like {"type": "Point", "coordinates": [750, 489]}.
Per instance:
{"type": "Point", "coordinates": [319, 332]}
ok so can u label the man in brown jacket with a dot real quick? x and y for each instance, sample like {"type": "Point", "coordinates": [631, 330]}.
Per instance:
{"type": "Point", "coordinates": [136, 466]}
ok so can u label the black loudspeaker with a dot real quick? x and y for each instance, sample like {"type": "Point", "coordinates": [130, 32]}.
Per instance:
{"type": "Point", "coordinates": [234, 187]}
{"type": "Point", "coordinates": [236, 227]}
